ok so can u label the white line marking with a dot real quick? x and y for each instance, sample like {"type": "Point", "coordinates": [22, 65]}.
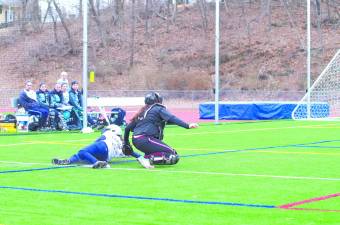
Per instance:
{"type": "Point", "coordinates": [226, 174]}
{"type": "Point", "coordinates": [192, 172]}
{"type": "Point", "coordinates": [25, 163]}
{"type": "Point", "coordinates": [24, 143]}
{"type": "Point", "coordinates": [186, 134]}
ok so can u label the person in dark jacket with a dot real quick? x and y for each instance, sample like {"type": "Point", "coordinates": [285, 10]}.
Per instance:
{"type": "Point", "coordinates": [147, 126]}
{"type": "Point", "coordinates": [76, 100]}
{"type": "Point", "coordinates": [43, 95]}
{"type": "Point", "coordinates": [28, 100]}
{"type": "Point", "coordinates": [62, 113]}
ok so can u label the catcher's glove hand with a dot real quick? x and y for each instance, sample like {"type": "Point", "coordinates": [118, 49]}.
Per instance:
{"type": "Point", "coordinates": [127, 149]}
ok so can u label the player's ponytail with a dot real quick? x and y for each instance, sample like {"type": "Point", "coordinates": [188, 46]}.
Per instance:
{"type": "Point", "coordinates": [140, 112]}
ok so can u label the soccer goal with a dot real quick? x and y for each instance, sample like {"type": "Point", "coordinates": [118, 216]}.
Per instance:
{"type": "Point", "coordinates": [322, 101]}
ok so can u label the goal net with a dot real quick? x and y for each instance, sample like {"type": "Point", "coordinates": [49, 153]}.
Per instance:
{"type": "Point", "coordinates": [322, 101]}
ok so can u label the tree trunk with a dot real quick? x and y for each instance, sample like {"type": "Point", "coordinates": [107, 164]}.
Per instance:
{"type": "Point", "coordinates": [68, 33]}
{"type": "Point", "coordinates": [146, 18]}
{"type": "Point", "coordinates": [55, 34]}
{"type": "Point", "coordinates": [203, 11]}
{"type": "Point", "coordinates": [23, 20]}
{"type": "Point", "coordinates": [132, 33]}
{"type": "Point", "coordinates": [269, 14]}
{"type": "Point", "coordinates": [118, 11]}
{"type": "Point", "coordinates": [292, 23]}
{"type": "Point", "coordinates": [35, 12]}
{"type": "Point", "coordinates": [319, 18]}
{"type": "Point", "coordinates": [46, 14]}
{"type": "Point", "coordinates": [98, 23]}
{"type": "Point", "coordinates": [80, 8]}
{"type": "Point", "coordinates": [174, 11]}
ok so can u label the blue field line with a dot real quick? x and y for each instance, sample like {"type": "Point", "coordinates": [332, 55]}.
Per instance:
{"type": "Point", "coordinates": [183, 156]}
{"type": "Point", "coordinates": [317, 146]}
{"type": "Point", "coordinates": [139, 197]}
{"type": "Point", "coordinates": [37, 169]}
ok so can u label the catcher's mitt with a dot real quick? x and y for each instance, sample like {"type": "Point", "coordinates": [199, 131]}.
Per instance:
{"type": "Point", "coordinates": [127, 149]}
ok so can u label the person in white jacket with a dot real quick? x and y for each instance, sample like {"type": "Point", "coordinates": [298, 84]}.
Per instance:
{"type": "Point", "coordinates": [100, 152]}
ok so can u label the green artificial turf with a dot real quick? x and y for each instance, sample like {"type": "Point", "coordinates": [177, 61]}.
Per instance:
{"type": "Point", "coordinates": [232, 173]}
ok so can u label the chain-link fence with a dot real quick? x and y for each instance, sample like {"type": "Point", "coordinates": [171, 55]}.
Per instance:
{"type": "Point", "coordinates": [186, 100]}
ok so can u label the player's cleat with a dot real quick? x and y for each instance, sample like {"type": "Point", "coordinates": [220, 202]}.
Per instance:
{"type": "Point", "coordinates": [99, 164]}
{"type": "Point", "coordinates": [145, 162]}
{"type": "Point", "coordinates": [61, 161]}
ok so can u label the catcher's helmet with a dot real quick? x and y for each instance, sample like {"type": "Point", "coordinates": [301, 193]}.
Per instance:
{"type": "Point", "coordinates": [152, 98]}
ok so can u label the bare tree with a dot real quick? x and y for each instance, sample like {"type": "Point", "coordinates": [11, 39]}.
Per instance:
{"type": "Point", "coordinates": [35, 14]}
{"type": "Point", "coordinates": [23, 20]}
{"type": "Point", "coordinates": [147, 18]}
{"type": "Point", "coordinates": [96, 18]}
{"type": "Point", "coordinates": [174, 10]}
{"type": "Point", "coordinates": [68, 33]}
{"type": "Point", "coordinates": [132, 33]}
{"type": "Point", "coordinates": [203, 10]}
{"type": "Point", "coordinates": [46, 13]}
{"type": "Point", "coordinates": [118, 13]}
{"type": "Point", "coordinates": [318, 18]}
{"type": "Point", "coordinates": [292, 23]}
{"type": "Point", "coordinates": [269, 14]}
{"type": "Point", "coordinates": [80, 8]}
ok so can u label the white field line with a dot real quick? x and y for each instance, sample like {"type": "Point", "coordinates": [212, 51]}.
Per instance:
{"type": "Point", "coordinates": [192, 172]}
{"type": "Point", "coordinates": [25, 163]}
{"type": "Point", "coordinates": [225, 174]}
{"type": "Point", "coordinates": [16, 144]}
{"type": "Point", "coordinates": [182, 134]}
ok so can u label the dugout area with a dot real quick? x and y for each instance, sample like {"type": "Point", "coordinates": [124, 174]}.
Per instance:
{"type": "Point", "coordinates": [268, 172]}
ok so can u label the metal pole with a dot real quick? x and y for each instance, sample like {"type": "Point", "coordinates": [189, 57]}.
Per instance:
{"type": "Point", "coordinates": [85, 14]}
{"type": "Point", "coordinates": [308, 60]}
{"type": "Point", "coordinates": [217, 58]}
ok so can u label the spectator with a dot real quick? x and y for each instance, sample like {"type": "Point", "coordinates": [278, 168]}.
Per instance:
{"type": "Point", "coordinates": [66, 95]}
{"type": "Point", "coordinates": [43, 95]}
{"type": "Point", "coordinates": [57, 103]}
{"type": "Point", "coordinates": [28, 100]}
{"type": "Point", "coordinates": [76, 100]}
{"type": "Point", "coordinates": [63, 79]}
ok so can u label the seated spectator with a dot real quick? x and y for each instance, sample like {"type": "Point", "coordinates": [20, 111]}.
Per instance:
{"type": "Point", "coordinates": [66, 95]}
{"type": "Point", "coordinates": [28, 100]}
{"type": "Point", "coordinates": [43, 97]}
{"type": "Point", "coordinates": [63, 113]}
{"type": "Point", "coordinates": [76, 100]}
{"type": "Point", "coordinates": [63, 79]}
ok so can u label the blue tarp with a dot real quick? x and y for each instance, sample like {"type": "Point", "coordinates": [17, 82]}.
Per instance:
{"type": "Point", "coordinates": [254, 110]}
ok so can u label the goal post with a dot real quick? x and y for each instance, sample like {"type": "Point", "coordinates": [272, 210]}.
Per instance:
{"type": "Point", "coordinates": [323, 98]}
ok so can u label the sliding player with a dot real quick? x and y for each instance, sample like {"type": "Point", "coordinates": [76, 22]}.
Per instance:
{"type": "Point", "coordinates": [100, 152]}
{"type": "Point", "coordinates": [147, 126]}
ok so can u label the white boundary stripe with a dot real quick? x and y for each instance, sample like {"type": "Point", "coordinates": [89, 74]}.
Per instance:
{"type": "Point", "coordinates": [319, 126]}
{"type": "Point", "coordinates": [24, 143]}
{"type": "Point", "coordinates": [25, 163]}
{"type": "Point", "coordinates": [193, 172]}
{"type": "Point", "coordinates": [227, 174]}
